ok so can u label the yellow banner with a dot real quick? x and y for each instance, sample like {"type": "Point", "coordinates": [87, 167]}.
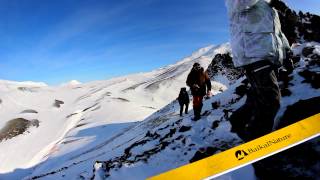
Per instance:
{"type": "Point", "coordinates": [247, 153]}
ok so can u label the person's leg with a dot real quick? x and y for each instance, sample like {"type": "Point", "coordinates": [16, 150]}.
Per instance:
{"type": "Point", "coordinates": [265, 100]}
{"type": "Point", "coordinates": [200, 105]}
{"type": "Point", "coordinates": [240, 117]}
{"type": "Point", "coordinates": [196, 107]}
{"type": "Point", "coordinates": [181, 109]}
{"type": "Point", "coordinates": [187, 107]}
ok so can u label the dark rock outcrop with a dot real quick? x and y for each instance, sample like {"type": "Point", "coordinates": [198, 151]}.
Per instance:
{"type": "Point", "coordinates": [300, 162]}
{"type": "Point", "coordinates": [184, 128]}
{"type": "Point", "coordinates": [58, 103]}
{"type": "Point", "coordinates": [215, 105]}
{"type": "Point", "coordinates": [203, 153]}
{"type": "Point", "coordinates": [300, 110]}
{"type": "Point", "coordinates": [222, 65]}
{"type": "Point", "coordinates": [16, 127]}
{"type": "Point", "coordinates": [297, 27]}
{"type": "Point", "coordinates": [307, 51]}
{"type": "Point", "coordinates": [215, 124]}
{"type": "Point", "coordinates": [29, 111]}
{"type": "Point", "coordinates": [311, 77]}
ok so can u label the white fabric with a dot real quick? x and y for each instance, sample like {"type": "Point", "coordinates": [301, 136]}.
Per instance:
{"type": "Point", "coordinates": [255, 32]}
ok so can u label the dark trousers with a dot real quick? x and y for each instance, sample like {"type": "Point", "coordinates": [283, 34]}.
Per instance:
{"type": "Point", "coordinates": [181, 108]}
{"type": "Point", "coordinates": [256, 117]}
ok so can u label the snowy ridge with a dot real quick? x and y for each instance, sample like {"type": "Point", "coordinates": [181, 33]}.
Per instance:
{"type": "Point", "coordinates": [91, 147]}
{"type": "Point", "coordinates": [166, 141]}
{"type": "Point", "coordinates": [124, 128]}
{"type": "Point", "coordinates": [80, 118]}
{"type": "Point", "coordinates": [12, 84]}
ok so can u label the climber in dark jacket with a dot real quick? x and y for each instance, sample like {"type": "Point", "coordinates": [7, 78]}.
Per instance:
{"type": "Point", "coordinates": [183, 100]}
{"type": "Point", "coordinates": [200, 85]}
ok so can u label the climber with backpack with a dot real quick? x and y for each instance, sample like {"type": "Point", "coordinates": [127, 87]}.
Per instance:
{"type": "Point", "coordinates": [259, 47]}
{"type": "Point", "coordinates": [183, 100]}
{"type": "Point", "coordinates": [200, 85]}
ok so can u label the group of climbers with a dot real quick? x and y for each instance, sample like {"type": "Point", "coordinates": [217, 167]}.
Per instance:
{"type": "Point", "coordinates": [258, 47]}
{"type": "Point", "coordinates": [200, 86]}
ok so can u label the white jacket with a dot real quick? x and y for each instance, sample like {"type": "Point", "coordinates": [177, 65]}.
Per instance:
{"type": "Point", "coordinates": [255, 32]}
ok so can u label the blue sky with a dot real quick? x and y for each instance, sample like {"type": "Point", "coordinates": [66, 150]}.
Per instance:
{"type": "Point", "coordinates": [61, 40]}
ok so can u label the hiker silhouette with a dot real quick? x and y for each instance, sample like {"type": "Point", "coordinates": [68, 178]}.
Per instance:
{"type": "Point", "coordinates": [183, 100]}
{"type": "Point", "coordinates": [200, 85]}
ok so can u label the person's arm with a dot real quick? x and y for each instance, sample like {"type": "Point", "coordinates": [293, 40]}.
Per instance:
{"type": "Point", "coordinates": [188, 82]}
{"type": "Point", "coordinates": [187, 99]}
{"type": "Point", "coordinates": [285, 41]}
{"type": "Point", "coordinates": [240, 5]}
{"type": "Point", "coordinates": [208, 82]}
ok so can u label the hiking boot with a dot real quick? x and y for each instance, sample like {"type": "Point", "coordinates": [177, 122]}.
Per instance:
{"type": "Point", "coordinates": [196, 118]}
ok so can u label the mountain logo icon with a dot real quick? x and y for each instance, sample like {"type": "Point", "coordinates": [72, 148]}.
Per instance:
{"type": "Point", "coordinates": [241, 154]}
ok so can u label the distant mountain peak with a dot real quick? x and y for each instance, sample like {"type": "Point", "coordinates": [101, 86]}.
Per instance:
{"type": "Point", "coordinates": [72, 83]}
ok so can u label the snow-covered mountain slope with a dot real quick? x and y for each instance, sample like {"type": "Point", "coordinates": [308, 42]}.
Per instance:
{"type": "Point", "coordinates": [98, 130]}
{"type": "Point", "coordinates": [164, 140]}
{"type": "Point", "coordinates": [65, 124]}
{"type": "Point", "coordinates": [172, 141]}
